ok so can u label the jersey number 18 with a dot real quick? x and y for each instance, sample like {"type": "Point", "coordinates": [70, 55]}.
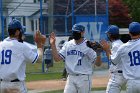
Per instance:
{"type": "Point", "coordinates": [134, 58]}
{"type": "Point", "coordinates": [6, 56]}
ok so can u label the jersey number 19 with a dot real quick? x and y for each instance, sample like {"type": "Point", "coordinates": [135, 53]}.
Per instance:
{"type": "Point", "coordinates": [6, 56]}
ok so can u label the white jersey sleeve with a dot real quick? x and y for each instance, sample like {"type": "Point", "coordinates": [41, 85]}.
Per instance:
{"type": "Point", "coordinates": [62, 52]}
{"type": "Point", "coordinates": [31, 56]}
{"type": "Point", "coordinates": [92, 55]}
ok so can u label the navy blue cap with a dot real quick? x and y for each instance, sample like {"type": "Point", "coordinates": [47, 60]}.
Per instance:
{"type": "Point", "coordinates": [134, 27]}
{"type": "Point", "coordinates": [113, 30]}
{"type": "Point", "coordinates": [15, 24]}
{"type": "Point", "coordinates": [78, 28]}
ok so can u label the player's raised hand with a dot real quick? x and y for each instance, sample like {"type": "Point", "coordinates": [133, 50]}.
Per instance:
{"type": "Point", "coordinates": [52, 38]}
{"type": "Point", "coordinates": [105, 45]}
{"type": "Point", "coordinates": [39, 38]}
{"type": "Point", "coordinates": [43, 39]}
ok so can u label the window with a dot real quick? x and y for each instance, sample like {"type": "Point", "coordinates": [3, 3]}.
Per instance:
{"type": "Point", "coordinates": [32, 25]}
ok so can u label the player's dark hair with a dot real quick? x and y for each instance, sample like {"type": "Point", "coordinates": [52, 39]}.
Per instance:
{"type": "Point", "coordinates": [11, 32]}
{"type": "Point", "coordinates": [70, 38]}
{"type": "Point", "coordinates": [115, 37]}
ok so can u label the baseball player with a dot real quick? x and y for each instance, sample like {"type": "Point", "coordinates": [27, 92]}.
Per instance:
{"type": "Point", "coordinates": [48, 58]}
{"type": "Point", "coordinates": [78, 61]}
{"type": "Point", "coordinates": [129, 55]}
{"type": "Point", "coordinates": [14, 55]}
{"type": "Point", "coordinates": [117, 79]}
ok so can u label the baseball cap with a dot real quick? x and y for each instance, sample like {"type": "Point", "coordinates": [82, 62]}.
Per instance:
{"type": "Point", "coordinates": [16, 24]}
{"type": "Point", "coordinates": [113, 30]}
{"type": "Point", "coordinates": [134, 27]}
{"type": "Point", "coordinates": [78, 28]}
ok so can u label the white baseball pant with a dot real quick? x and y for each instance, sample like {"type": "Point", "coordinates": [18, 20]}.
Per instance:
{"type": "Point", "coordinates": [78, 84]}
{"type": "Point", "coordinates": [133, 86]}
{"type": "Point", "coordinates": [115, 83]}
{"type": "Point", "coordinates": [12, 87]}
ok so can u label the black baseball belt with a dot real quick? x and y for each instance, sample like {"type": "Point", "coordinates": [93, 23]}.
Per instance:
{"type": "Point", "coordinates": [15, 80]}
{"type": "Point", "coordinates": [119, 71]}
{"type": "Point", "coordinates": [77, 74]}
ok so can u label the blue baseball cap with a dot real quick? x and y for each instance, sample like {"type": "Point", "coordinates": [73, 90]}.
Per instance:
{"type": "Point", "coordinates": [113, 30]}
{"type": "Point", "coordinates": [78, 28]}
{"type": "Point", "coordinates": [16, 24]}
{"type": "Point", "coordinates": [134, 27]}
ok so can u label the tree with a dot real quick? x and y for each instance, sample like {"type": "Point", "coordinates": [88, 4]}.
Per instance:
{"type": "Point", "coordinates": [134, 6]}
{"type": "Point", "coordinates": [119, 13]}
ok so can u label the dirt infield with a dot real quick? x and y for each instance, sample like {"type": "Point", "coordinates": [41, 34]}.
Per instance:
{"type": "Point", "coordinates": [100, 79]}
{"type": "Point", "coordinates": [59, 84]}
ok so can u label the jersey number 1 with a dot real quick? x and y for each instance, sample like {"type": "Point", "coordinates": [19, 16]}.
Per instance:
{"type": "Point", "coordinates": [79, 62]}
{"type": "Point", "coordinates": [6, 56]}
{"type": "Point", "coordinates": [134, 58]}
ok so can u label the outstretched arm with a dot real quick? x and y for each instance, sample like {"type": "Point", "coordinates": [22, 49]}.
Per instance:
{"type": "Point", "coordinates": [40, 41]}
{"type": "Point", "coordinates": [98, 61]}
{"type": "Point", "coordinates": [53, 46]}
{"type": "Point", "coordinates": [106, 48]}
{"type": "Point", "coordinates": [98, 49]}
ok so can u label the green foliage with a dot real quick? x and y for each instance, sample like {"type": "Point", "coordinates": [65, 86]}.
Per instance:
{"type": "Point", "coordinates": [134, 6]}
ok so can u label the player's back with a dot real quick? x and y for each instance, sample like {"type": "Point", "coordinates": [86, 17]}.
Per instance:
{"type": "Point", "coordinates": [115, 46]}
{"type": "Point", "coordinates": [12, 59]}
{"type": "Point", "coordinates": [130, 56]}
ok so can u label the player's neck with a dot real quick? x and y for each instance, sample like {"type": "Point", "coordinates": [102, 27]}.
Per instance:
{"type": "Point", "coordinates": [79, 41]}
{"type": "Point", "coordinates": [135, 37]}
{"type": "Point", "coordinates": [13, 37]}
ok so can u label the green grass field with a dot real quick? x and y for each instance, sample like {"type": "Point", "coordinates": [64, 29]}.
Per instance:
{"type": "Point", "coordinates": [42, 76]}
{"type": "Point", "coordinates": [34, 72]}
{"type": "Point", "coordinates": [61, 91]}
{"type": "Point", "coordinates": [37, 67]}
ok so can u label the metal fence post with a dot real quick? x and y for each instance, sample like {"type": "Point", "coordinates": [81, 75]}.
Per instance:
{"type": "Point", "coordinates": [2, 21]}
